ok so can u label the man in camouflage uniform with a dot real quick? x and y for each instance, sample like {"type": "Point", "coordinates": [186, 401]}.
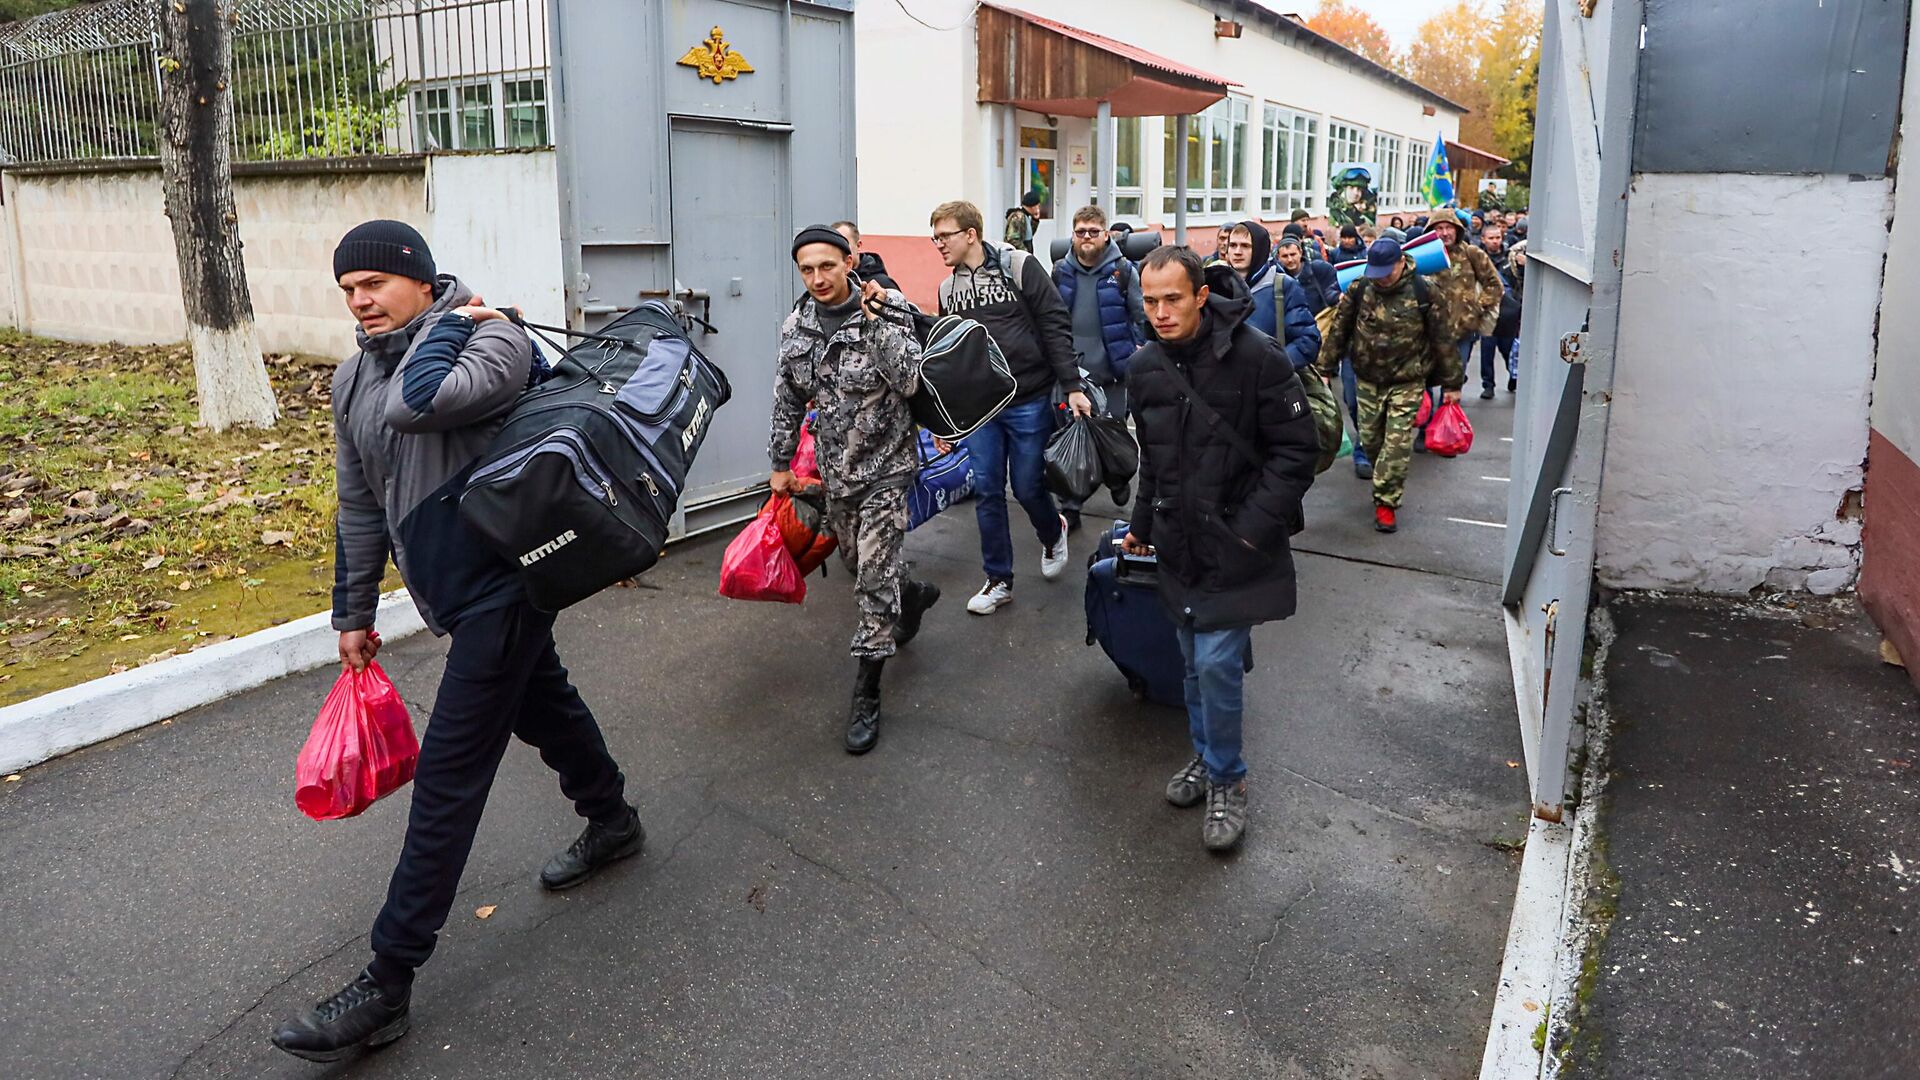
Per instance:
{"type": "Point", "coordinates": [1393, 332]}
{"type": "Point", "coordinates": [857, 368]}
{"type": "Point", "coordinates": [1466, 295]}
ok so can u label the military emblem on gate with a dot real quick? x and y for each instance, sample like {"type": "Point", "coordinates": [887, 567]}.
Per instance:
{"type": "Point", "coordinates": [715, 59]}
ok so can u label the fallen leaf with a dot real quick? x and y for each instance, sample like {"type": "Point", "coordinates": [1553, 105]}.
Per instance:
{"type": "Point", "coordinates": [153, 563]}
{"type": "Point", "coordinates": [485, 911]}
{"type": "Point", "coordinates": [1513, 764]}
{"type": "Point", "coordinates": [21, 641]}
{"type": "Point", "coordinates": [13, 778]}
{"type": "Point", "coordinates": [186, 585]}
{"type": "Point", "coordinates": [272, 537]}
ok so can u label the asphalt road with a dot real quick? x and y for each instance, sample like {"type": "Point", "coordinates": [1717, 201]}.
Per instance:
{"type": "Point", "coordinates": [999, 890]}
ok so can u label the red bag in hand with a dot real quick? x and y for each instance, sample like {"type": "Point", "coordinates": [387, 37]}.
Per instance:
{"type": "Point", "coordinates": [1450, 434]}
{"type": "Point", "coordinates": [361, 749]}
{"type": "Point", "coordinates": [757, 565]}
{"type": "Point", "coordinates": [806, 462]}
{"type": "Point", "coordinates": [1426, 409]}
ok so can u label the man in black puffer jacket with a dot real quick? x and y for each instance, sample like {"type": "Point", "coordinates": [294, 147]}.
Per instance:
{"type": "Point", "coordinates": [1227, 451]}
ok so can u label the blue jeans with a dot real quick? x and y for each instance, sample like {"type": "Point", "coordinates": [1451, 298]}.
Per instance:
{"type": "Point", "coordinates": [1216, 668]}
{"type": "Point", "coordinates": [1506, 347]}
{"type": "Point", "coordinates": [1012, 446]}
{"type": "Point", "coordinates": [1350, 390]}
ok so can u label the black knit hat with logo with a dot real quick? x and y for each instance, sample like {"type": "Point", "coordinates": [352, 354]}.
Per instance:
{"type": "Point", "coordinates": [392, 247]}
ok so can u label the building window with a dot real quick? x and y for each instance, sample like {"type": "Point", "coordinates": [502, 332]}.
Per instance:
{"type": "Point", "coordinates": [1287, 144]}
{"type": "Point", "coordinates": [483, 114]}
{"type": "Point", "coordinates": [1129, 200]}
{"type": "Point", "coordinates": [1386, 153]}
{"type": "Point", "coordinates": [1417, 159]}
{"type": "Point", "coordinates": [1216, 160]}
{"type": "Point", "coordinates": [525, 104]}
{"type": "Point", "coordinates": [433, 111]}
{"type": "Point", "coordinates": [1345, 144]}
{"type": "Point", "coordinates": [476, 117]}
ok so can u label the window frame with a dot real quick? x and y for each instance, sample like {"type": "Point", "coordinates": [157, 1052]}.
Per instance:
{"type": "Point", "coordinates": [1221, 132]}
{"type": "Point", "coordinates": [1288, 140]}
{"type": "Point", "coordinates": [496, 110]}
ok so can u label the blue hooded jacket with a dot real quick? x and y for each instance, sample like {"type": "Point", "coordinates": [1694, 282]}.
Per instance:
{"type": "Point", "coordinates": [1302, 339]}
{"type": "Point", "coordinates": [1122, 318]}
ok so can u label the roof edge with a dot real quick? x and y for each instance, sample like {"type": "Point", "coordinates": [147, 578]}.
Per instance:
{"type": "Point", "coordinates": [1294, 32]}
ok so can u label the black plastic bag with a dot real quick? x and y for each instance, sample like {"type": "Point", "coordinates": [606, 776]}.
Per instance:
{"type": "Point", "coordinates": [1073, 462]}
{"type": "Point", "coordinates": [1113, 445]}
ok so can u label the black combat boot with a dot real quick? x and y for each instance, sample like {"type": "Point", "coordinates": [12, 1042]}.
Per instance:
{"type": "Point", "coordinates": [863, 720]}
{"type": "Point", "coordinates": [915, 598]}
{"type": "Point", "coordinates": [597, 846]}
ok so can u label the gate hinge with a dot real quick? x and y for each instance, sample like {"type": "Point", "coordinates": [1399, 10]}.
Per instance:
{"type": "Point", "coordinates": [1573, 347]}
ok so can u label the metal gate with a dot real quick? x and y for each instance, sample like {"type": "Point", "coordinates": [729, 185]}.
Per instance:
{"type": "Point", "coordinates": [1582, 162]}
{"type": "Point", "coordinates": [679, 129]}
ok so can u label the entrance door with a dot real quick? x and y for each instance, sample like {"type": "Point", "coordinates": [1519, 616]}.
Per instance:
{"type": "Point", "coordinates": [1040, 171]}
{"type": "Point", "coordinates": [1581, 168]}
{"type": "Point", "coordinates": [730, 263]}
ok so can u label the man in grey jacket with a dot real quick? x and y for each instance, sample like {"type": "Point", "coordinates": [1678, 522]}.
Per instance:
{"type": "Point", "coordinates": [413, 409]}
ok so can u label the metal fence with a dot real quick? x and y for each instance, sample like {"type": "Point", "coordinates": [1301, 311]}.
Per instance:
{"type": "Point", "coordinates": [310, 79]}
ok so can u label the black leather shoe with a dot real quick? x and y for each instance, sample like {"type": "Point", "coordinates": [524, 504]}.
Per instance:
{"type": "Point", "coordinates": [360, 1015]}
{"type": "Point", "coordinates": [915, 598]}
{"type": "Point", "coordinates": [596, 847]}
{"type": "Point", "coordinates": [1513, 385]}
{"type": "Point", "coordinates": [1486, 393]}
{"type": "Point", "coordinates": [863, 720]}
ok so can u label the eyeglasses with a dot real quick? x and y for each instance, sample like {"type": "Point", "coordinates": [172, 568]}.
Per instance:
{"type": "Point", "coordinates": [1089, 234]}
{"type": "Point", "coordinates": [941, 238]}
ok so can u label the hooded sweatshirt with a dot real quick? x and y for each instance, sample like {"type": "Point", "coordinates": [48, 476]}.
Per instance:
{"type": "Point", "coordinates": [412, 411]}
{"type": "Point", "coordinates": [1280, 307]}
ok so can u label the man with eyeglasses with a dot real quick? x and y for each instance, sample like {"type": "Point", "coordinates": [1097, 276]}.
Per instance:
{"type": "Point", "coordinates": [1008, 291]}
{"type": "Point", "coordinates": [1102, 292]}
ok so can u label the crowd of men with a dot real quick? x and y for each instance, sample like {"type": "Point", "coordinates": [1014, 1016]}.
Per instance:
{"type": "Point", "coordinates": [1206, 357]}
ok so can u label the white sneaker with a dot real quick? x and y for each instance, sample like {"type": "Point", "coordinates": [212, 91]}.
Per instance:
{"type": "Point", "coordinates": [992, 597]}
{"type": "Point", "coordinates": [1053, 561]}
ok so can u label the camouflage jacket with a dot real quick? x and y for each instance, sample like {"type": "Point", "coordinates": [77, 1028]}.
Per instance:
{"type": "Point", "coordinates": [858, 381]}
{"type": "Point", "coordinates": [1466, 295]}
{"type": "Point", "coordinates": [1389, 338]}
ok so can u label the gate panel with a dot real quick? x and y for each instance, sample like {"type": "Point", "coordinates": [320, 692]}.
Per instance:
{"type": "Point", "coordinates": [730, 206]}
{"type": "Point", "coordinates": [1582, 166]}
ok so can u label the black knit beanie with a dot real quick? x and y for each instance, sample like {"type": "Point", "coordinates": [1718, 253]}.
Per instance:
{"type": "Point", "coordinates": [820, 234]}
{"type": "Point", "coordinates": [393, 247]}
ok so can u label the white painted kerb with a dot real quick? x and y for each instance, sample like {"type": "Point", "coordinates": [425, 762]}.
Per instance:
{"type": "Point", "coordinates": [66, 720]}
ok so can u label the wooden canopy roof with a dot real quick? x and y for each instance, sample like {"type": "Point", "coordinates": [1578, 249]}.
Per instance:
{"type": "Point", "coordinates": [1049, 67]}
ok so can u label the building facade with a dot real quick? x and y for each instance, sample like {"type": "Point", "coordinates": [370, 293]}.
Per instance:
{"type": "Point", "coordinates": [1274, 110]}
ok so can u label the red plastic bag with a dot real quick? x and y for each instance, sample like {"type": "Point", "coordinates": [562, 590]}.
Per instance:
{"type": "Point", "coordinates": [361, 749]}
{"type": "Point", "coordinates": [1451, 433]}
{"type": "Point", "coordinates": [1426, 409]}
{"type": "Point", "coordinates": [806, 464]}
{"type": "Point", "coordinates": [757, 565]}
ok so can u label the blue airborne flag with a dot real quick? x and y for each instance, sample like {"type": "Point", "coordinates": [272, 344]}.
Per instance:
{"type": "Point", "coordinates": [1438, 186]}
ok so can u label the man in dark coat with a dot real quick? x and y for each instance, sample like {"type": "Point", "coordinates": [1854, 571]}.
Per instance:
{"type": "Point", "coordinates": [870, 267]}
{"type": "Point", "coordinates": [1227, 451]}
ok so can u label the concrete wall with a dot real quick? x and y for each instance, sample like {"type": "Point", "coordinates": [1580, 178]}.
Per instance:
{"type": "Point", "coordinates": [1739, 416]}
{"type": "Point", "coordinates": [95, 260]}
{"type": "Point", "coordinates": [1890, 574]}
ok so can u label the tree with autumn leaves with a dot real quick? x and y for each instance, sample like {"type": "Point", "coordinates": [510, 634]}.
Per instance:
{"type": "Point", "coordinates": [1486, 59]}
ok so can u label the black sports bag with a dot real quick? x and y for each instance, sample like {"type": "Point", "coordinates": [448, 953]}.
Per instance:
{"type": "Point", "coordinates": [964, 377]}
{"type": "Point", "coordinates": [583, 478]}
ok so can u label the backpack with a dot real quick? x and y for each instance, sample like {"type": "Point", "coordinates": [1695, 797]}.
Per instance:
{"type": "Point", "coordinates": [1422, 295]}
{"type": "Point", "coordinates": [1328, 423]}
{"type": "Point", "coordinates": [583, 479]}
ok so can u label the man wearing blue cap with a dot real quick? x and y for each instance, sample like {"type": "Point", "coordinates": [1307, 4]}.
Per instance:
{"type": "Point", "coordinates": [1387, 324]}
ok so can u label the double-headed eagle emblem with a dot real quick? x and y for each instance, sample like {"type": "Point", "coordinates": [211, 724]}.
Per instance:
{"type": "Point", "coordinates": [715, 59]}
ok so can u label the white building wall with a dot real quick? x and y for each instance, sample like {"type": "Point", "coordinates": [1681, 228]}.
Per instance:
{"type": "Point", "coordinates": [494, 219]}
{"type": "Point", "coordinates": [917, 84]}
{"type": "Point", "coordinates": [1724, 361]}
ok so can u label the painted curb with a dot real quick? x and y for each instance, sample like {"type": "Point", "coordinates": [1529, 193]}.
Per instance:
{"type": "Point", "coordinates": [1529, 970]}
{"type": "Point", "coordinates": [66, 720]}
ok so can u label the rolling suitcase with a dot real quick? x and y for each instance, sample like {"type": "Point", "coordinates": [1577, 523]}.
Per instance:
{"type": "Point", "coordinates": [1127, 620]}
